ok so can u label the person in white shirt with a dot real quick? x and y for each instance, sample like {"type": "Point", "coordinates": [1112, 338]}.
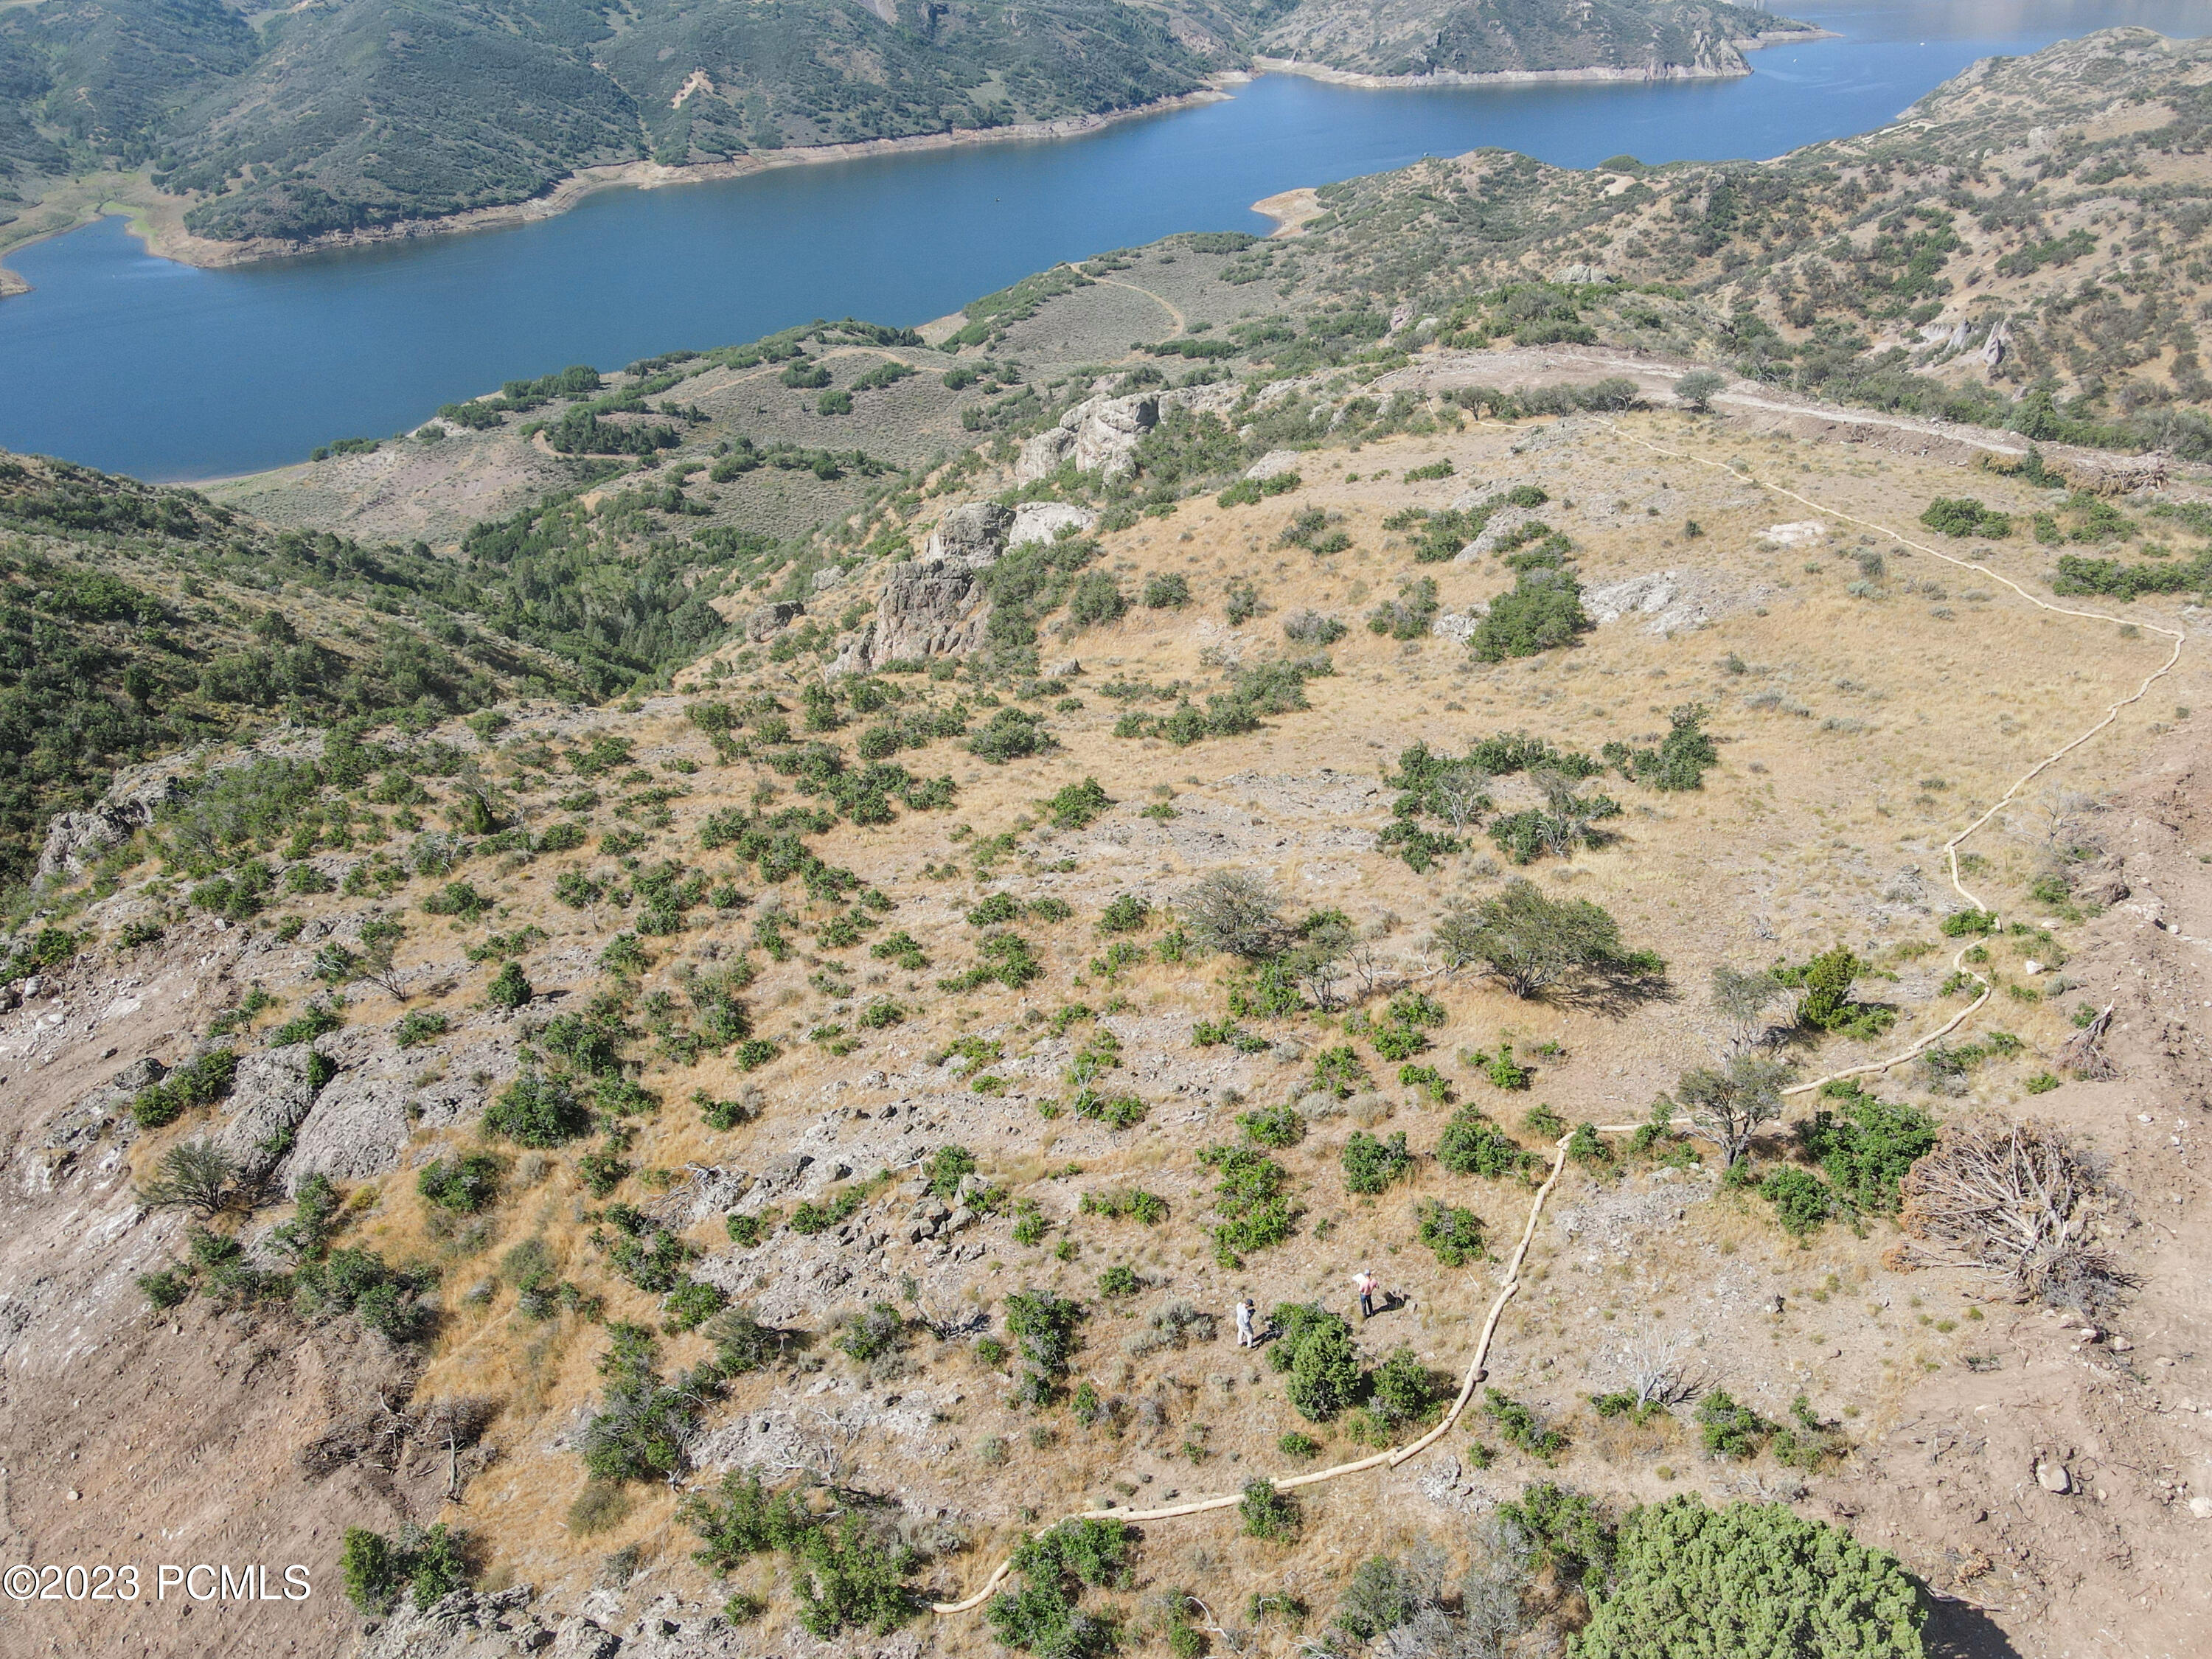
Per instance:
{"type": "Point", "coordinates": [1245, 1309]}
{"type": "Point", "coordinates": [1364, 1283]}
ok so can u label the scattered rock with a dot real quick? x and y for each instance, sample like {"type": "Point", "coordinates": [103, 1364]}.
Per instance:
{"type": "Point", "coordinates": [1458, 625]}
{"type": "Point", "coordinates": [1671, 601]}
{"type": "Point", "coordinates": [2053, 1477]}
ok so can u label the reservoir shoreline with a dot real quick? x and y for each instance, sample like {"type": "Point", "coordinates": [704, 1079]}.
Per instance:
{"type": "Point", "coordinates": [157, 219]}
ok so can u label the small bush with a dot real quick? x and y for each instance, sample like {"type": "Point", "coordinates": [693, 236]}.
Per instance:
{"type": "Point", "coordinates": [1729, 1430]}
{"type": "Point", "coordinates": [1169, 591]}
{"type": "Point", "coordinates": [1966, 517]}
{"type": "Point", "coordinates": [1402, 1389]}
{"type": "Point", "coordinates": [1274, 1126]}
{"type": "Point", "coordinates": [1316, 1352]}
{"type": "Point", "coordinates": [1077, 805]}
{"type": "Point", "coordinates": [1474, 1144]}
{"type": "Point", "coordinates": [1268, 1513]}
{"type": "Point", "coordinates": [1456, 1235]}
{"type": "Point", "coordinates": [509, 989]}
{"type": "Point", "coordinates": [1800, 1199]}
{"type": "Point", "coordinates": [1372, 1165]}
{"type": "Point", "coordinates": [465, 1184]}
{"type": "Point", "coordinates": [1520, 1426]}
{"type": "Point", "coordinates": [536, 1110]}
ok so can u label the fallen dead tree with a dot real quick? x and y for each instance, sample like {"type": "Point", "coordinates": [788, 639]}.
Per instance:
{"type": "Point", "coordinates": [2017, 1201]}
{"type": "Point", "coordinates": [2083, 1053]}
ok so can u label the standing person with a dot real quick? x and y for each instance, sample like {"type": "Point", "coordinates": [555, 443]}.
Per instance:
{"type": "Point", "coordinates": [1363, 1283]}
{"type": "Point", "coordinates": [1245, 1309]}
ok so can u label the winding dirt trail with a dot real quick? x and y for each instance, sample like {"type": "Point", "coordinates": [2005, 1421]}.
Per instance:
{"type": "Point", "coordinates": [1478, 1366]}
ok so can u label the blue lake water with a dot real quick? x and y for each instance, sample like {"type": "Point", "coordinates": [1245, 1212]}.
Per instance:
{"type": "Point", "coordinates": [144, 366]}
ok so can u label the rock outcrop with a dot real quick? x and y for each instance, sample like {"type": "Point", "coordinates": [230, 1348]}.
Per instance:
{"type": "Point", "coordinates": [974, 533]}
{"type": "Point", "coordinates": [73, 839]}
{"type": "Point", "coordinates": [773, 618]}
{"type": "Point", "coordinates": [1101, 434]}
{"type": "Point", "coordinates": [1045, 521]}
{"type": "Point", "coordinates": [934, 606]}
{"type": "Point", "coordinates": [271, 1093]}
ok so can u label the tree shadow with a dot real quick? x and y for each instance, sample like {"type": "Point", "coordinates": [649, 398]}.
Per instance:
{"type": "Point", "coordinates": [1958, 1630]}
{"type": "Point", "coordinates": [1616, 989]}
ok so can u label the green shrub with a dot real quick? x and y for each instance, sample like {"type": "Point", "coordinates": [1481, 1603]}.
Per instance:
{"type": "Point", "coordinates": [1316, 1352]}
{"type": "Point", "coordinates": [1149, 1209]}
{"type": "Point", "coordinates": [643, 1423]}
{"type": "Point", "coordinates": [1683, 758]}
{"type": "Point", "coordinates": [1779, 1584]}
{"type": "Point", "coordinates": [1729, 1430]}
{"type": "Point", "coordinates": [872, 1335]}
{"type": "Point", "coordinates": [1011, 734]}
{"type": "Point", "coordinates": [1057, 1565]}
{"type": "Point", "coordinates": [1338, 1072]}
{"type": "Point", "coordinates": [691, 1304]}
{"type": "Point", "coordinates": [1268, 1513]}
{"type": "Point", "coordinates": [538, 1110]}
{"type": "Point", "coordinates": [1126, 914]}
{"type": "Point", "coordinates": [1249, 1197]}
{"type": "Point", "coordinates": [1097, 598]}
{"type": "Point", "coordinates": [1456, 1235]}
{"type": "Point", "coordinates": [420, 1026]}
{"type": "Point", "coordinates": [1169, 591]}
{"type": "Point", "coordinates": [509, 989]}
{"type": "Point", "coordinates": [200, 1082]}
{"type": "Point", "coordinates": [1372, 1164]}
{"type": "Point", "coordinates": [1518, 1426]}
{"type": "Point", "coordinates": [1274, 1126]}
{"type": "Point", "coordinates": [1564, 1530]}
{"type": "Point", "coordinates": [1403, 1390]}
{"type": "Point", "coordinates": [1802, 1200]}
{"type": "Point", "coordinates": [1078, 804]}
{"type": "Point", "coordinates": [465, 1184]}
{"type": "Point", "coordinates": [948, 1166]}
{"type": "Point", "coordinates": [1543, 611]}
{"type": "Point", "coordinates": [1966, 517]}
{"type": "Point", "coordinates": [1963, 924]}
{"type": "Point", "coordinates": [1120, 1280]}
{"type": "Point", "coordinates": [1866, 1146]}
{"type": "Point", "coordinates": [1474, 1144]}
{"type": "Point", "coordinates": [1300, 1446]}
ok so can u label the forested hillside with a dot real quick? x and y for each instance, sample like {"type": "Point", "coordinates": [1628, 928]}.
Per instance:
{"type": "Point", "coordinates": [358, 115]}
